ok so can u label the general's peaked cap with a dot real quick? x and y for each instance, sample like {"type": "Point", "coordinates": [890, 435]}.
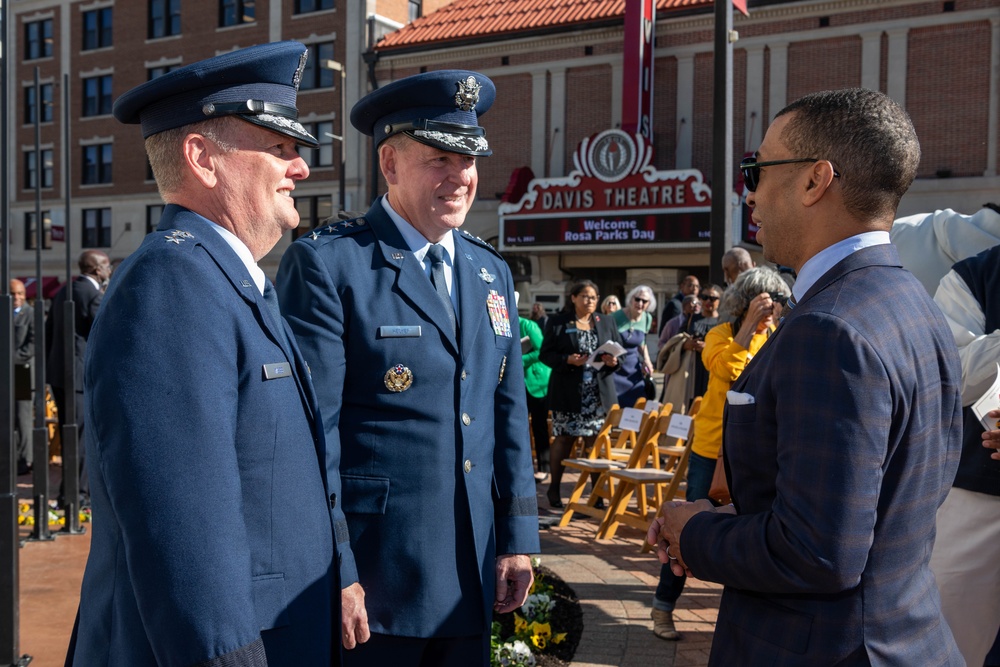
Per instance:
{"type": "Point", "coordinates": [257, 84]}
{"type": "Point", "coordinates": [440, 109]}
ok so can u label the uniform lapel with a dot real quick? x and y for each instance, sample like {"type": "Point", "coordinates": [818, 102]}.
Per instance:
{"type": "Point", "coordinates": [411, 280]}
{"type": "Point", "coordinates": [202, 233]}
{"type": "Point", "coordinates": [232, 267]}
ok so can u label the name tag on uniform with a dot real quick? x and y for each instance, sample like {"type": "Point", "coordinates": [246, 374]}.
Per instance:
{"type": "Point", "coordinates": [399, 332]}
{"type": "Point", "coordinates": [275, 371]}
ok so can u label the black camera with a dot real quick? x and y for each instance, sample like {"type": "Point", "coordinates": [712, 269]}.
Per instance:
{"type": "Point", "coordinates": [781, 299]}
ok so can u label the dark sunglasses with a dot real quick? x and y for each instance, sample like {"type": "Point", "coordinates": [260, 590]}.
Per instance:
{"type": "Point", "coordinates": [751, 169]}
{"type": "Point", "coordinates": [778, 297]}
{"type": "Point", "coordinates": [708, 297]}
{"type": "Point", "coordinates": [639, 299]}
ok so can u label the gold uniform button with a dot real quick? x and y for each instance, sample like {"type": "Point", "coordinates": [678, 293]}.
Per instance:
{"type": "Point", "coordinates": [468, 465]}
{"type": "Point", "coordinates": [466, 419]}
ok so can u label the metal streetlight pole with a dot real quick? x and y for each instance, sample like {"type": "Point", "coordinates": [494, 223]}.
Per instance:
{"type": "Point", "coordinates": [10, 539]}
{"type": "Point", "coordinates": [40, 434]}
{"type": "Point", "coordinates": [721, 225]}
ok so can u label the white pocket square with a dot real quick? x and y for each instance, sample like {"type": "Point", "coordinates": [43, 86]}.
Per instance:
{"type": "Point", "coordinates": [737, 398]}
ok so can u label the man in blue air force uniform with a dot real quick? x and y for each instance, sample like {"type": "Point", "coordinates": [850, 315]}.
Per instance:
{"type": "Point", "coordinates": [411, 331]}
{"type": "Point", "coordinates": [213, 539]}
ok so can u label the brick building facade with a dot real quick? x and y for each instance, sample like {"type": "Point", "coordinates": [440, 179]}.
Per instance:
{"type": "Point", "coordinates": [103, 48]}
{"type": "Point", "coordinates": [558, 83]}
{"type": "Point", "coordinates": [941, 60]}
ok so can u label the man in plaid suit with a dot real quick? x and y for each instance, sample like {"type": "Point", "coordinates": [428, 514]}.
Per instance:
{"type": "Point", "coordinates": [842, 436]}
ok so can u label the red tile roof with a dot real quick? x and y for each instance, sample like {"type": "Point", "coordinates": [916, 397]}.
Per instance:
{"type": "Point", "coordinates": [466, 20]}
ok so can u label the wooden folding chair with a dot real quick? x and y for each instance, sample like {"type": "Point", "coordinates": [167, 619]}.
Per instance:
{"type": "Point", "coordinates": [666, 482]}
{"type": "Point", "coordinates": [622, 451]}
{"type": "Point", "coordinates": [602, 487]}
{"type": "Point", "coordinates": [672, 453]}
{"type": "Point", "coordinates": [602, 443]}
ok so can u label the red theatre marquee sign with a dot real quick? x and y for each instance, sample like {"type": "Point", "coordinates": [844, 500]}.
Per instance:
{"type": "Point", "coordinates": [614, 198]}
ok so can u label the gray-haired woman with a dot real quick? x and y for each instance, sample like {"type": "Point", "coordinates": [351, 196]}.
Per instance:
{"type": "Point", "coordinates": [754, 302]}
{"type": "Point", "coordinates": [633, 322]}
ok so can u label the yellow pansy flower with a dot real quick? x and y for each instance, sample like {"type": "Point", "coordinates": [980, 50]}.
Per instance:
{"type": "Point", "coordinates": [520, 625]}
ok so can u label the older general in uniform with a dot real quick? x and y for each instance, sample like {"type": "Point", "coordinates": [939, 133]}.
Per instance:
{"type": "Point", "coordinates": [412, 334]}
{"type": "Point", "coordinates": [213, 539]}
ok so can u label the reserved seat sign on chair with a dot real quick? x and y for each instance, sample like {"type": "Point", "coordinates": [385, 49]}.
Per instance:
{"type": "Point", "coordinates": [632, 419]}
{"type": "Point", "coordinates": [630, 425]}
{"type": "Point", "coordinates": [603, 487]}
{"type": "Point", "coordinates": [666, 483]}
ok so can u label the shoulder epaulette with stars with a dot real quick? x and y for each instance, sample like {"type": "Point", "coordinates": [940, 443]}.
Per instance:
{"type": "Point", "coordinates": [339, 228]}
{"type": "Point", "coordinates": [178, 236]}
{"type": "Point", "coordinates": [478, 241]}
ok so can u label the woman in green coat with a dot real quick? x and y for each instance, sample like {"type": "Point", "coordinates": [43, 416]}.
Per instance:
{"type": "Point", "coordinates": [536, 380]}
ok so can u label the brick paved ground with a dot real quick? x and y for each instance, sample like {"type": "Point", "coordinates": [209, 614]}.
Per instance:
{"type": "Point", "coordinates": [50, 577]}
{"type": "Point", "coordinates": [615, 584]}
{"type": "Point", "coordinates": [613, 580]}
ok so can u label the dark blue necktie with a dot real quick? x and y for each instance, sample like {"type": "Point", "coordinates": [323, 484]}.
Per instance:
{"type": "Point", "coordinates": [436, 253]}
{"type": "Point", "coordinates": [271, 299]}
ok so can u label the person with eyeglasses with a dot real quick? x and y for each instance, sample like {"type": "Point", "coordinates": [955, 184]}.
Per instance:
{"type": "Point", "coordinates": [690, 313]}
{"type": "Point", "coordinates": [711, 316]}
{"type": "Point", "coordinates": [725, 352]}
{"type": "Point", "coordinates": [633, 322]}
{"type": "Point", "coordinates": [678, 356]}
{"type": "Point", "coordinates": [689, 285]}
{"type": "Point", "coordinates": [579, 395]}
{"type": "Point", "coordinates": [843, 434]}
{"type": "Point", "coordinates": [610, 304]}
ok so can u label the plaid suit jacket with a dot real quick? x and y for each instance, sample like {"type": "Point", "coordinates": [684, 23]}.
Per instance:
{"type": "Point", "coordinates": [837, 470]}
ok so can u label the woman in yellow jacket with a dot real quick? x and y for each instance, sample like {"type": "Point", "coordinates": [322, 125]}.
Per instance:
{"type": "Point", "coordinates": [754, 304]}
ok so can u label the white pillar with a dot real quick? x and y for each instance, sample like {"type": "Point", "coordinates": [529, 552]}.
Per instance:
{"type": "Point", "coordinates": [539, 140]}
{"type": "Point", "coordinates": [685, 111]}
{"type": "Point", "coordinates": [992, 131]}
{"type": "Point", "coordinates": [871, 59]}
{"type": "Point", "coordinates": [754, 118]}
{"type": "Point", "coordinates": [557, 133]}
{"type": "Point", "coordinates": [896, 79]}
{"type": "Point", "coordinates": [617, 77]}
{"type": "Point", "coordinates": [778, 94]}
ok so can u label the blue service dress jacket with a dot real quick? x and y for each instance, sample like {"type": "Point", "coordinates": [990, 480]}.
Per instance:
{"type": "Point", "coordinates": [213, 540]}
{"type": "Point", "coordinates": [837, 468]}
{"type": "Point", "coordinates": [432, 428]}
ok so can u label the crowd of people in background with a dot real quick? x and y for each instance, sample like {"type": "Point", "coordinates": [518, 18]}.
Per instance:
{"type": "Point", "coordinates": [86, 291]}
{"type": "Point", "coordinates": [821, 558]}
{"type": "Point", "coordinates": [708, 334]}
{"type": "Point", "coordinates": [700, 351]}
